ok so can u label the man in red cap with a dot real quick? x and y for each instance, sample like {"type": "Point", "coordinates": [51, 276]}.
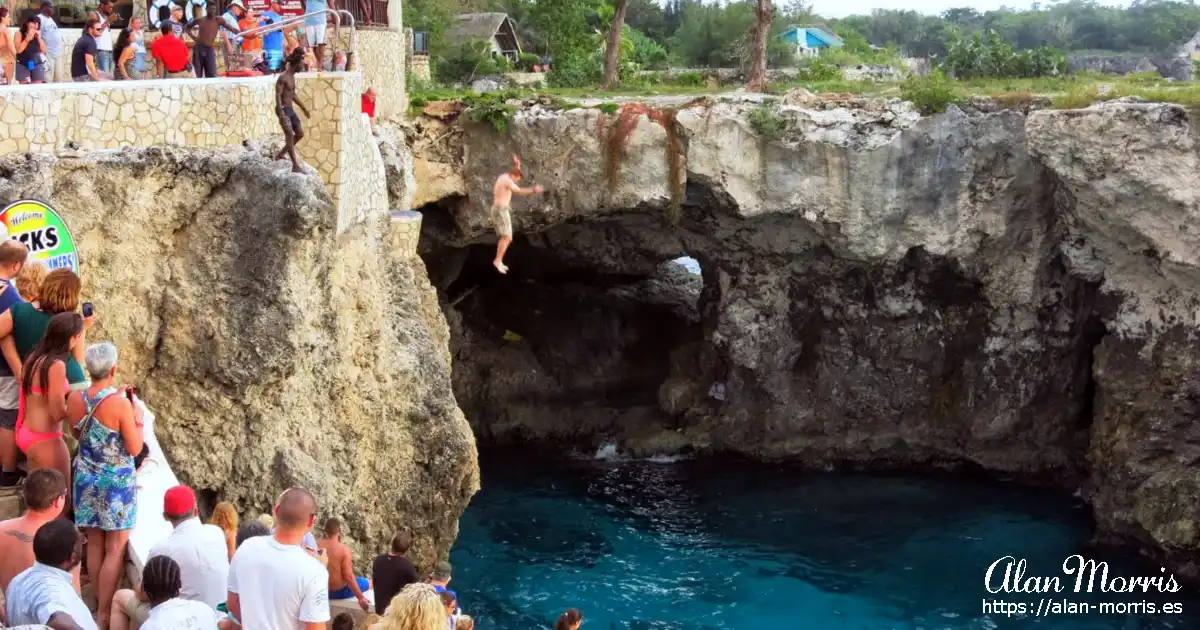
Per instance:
{"type": "Point", "coordinates": [198, 549]}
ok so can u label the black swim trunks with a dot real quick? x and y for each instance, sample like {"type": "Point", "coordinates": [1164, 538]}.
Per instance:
{"type": "Point", "coordinates": [292, 120]}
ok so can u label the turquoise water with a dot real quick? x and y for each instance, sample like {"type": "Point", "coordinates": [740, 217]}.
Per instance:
{"type": "Point", "coordinates": [703, 545]}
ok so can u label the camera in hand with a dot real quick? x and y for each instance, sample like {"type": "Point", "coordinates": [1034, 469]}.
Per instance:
{"type": "Point", "coordinates": [88, 309]}
{"type": "Point", "coordinates": [141, 457]}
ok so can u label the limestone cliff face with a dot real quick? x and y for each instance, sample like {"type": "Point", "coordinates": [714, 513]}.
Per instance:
{"type": "Point", "coordinates": [1015, 292]}
{"type": "Point", "coordinates": [274, 351]}
{"type": "Point", "coordinates": [1128, 206]}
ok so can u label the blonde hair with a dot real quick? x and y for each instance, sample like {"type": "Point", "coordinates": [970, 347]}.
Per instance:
{"type": "Point", "coordinates": [464, 622]}
{"type": "Point", "coordinates": [416, 607]}
{"type": "Point", "coordinates": [267, 519]}
{"type": "Point", "coordinates": [29, 280]}
{"type": "Point", "coordinates": [60, 292]}
{"type": "Point", "coordinates": [225, 516]}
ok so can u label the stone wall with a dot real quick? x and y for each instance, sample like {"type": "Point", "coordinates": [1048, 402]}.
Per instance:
{"type": "Point", "coordinates": [187, 112]}
{"type": "Point", "coordinates": [1176, 65]}
{"type": "Point", "coordinates": [202, 113]}
{"type": "Point", "coordinates": [418, 66]}
{"type": "Point", "coordinates": [526, 79]}
{"type": "Point", "coordinates": [340, 147]}
{"type": "Point", "coordinates": [380, 59]}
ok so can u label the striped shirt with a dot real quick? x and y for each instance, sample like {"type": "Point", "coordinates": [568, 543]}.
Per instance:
{"type": "Point", "coordinates": [40, 591]}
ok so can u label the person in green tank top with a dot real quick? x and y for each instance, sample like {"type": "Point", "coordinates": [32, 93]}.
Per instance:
{"type": "Point", "coordinates": [21, 329]}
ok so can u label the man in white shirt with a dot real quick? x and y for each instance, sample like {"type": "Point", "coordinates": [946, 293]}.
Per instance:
{"type": "Point", "coordinates": [274, 583]}
{"type": "Point", "coordinates": [104, 41]}
{"type": "Point", "coordinates": [198, 549]}
{"type": "Point", "coordinates": [231, 42]}
{"type": "Point", "coordinates": [58, 67]}
{"type": "Point", "coordinates": [43, 594]}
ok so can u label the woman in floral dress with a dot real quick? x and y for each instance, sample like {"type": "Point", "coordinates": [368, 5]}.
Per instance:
{"type": "Point", "coordinates": [105, 422]}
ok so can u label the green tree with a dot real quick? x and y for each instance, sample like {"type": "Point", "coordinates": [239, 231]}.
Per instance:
{"type": "Point", "coordinates": [1148, 26]}
{"type": "Point", "coordinates": [562, 27]}
{"type": "Point", "coordinates": [648, 18]}
{"type": "Point", "coordinates": [713, 35]}
{"type": "Point", "coordinates": [988, 55]}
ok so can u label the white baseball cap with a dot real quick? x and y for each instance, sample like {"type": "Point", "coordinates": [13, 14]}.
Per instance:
{"type": "Point", "coordinates": [238, 4]}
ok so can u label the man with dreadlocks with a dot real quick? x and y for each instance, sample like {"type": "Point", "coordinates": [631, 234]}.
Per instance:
{"type": "Point", "coordinates": [285, 97]}
{"type": "Point", "coordinates": [161, 581]}
{"type": "Point", "coordinates": [198, 550]}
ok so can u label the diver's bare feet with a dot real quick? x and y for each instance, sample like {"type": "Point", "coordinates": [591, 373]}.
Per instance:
{"type": "Point", "coordinates": [296, 168]}
{"type": "Point", "coordinates": [501, 267]}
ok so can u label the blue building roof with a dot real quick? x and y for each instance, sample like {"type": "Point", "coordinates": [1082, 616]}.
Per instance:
{"type": "Point", "coordinates": [812, 36]}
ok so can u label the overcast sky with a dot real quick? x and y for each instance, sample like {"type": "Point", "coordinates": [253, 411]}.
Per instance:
{"type": "Point", "coordinates": [842, 8]}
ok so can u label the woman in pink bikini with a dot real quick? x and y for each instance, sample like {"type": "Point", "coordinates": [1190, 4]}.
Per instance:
{"type": "Point", "coordinates": [44, 390]}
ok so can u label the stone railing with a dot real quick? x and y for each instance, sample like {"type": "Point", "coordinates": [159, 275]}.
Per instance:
{"type": "Point", "coordinates": [342, 148]}
{"type": "Point", "coordinates": [204, 113]}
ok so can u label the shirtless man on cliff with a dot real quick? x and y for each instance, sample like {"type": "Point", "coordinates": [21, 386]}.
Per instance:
{"type": "Point", "coordinates": [45, 496]}
{"type": "Point", "coordinates": [342, 582]}
{"type": "Point", "coordinates": [502, 192]}
{"type": "Point", "coordinates": [285, 97]}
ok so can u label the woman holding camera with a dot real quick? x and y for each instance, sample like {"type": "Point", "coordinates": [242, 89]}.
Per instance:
{"type": "Point", "coordinates": [109, 431]}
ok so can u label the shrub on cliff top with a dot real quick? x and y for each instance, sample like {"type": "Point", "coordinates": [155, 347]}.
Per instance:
{"type": "Point", "coordinates": [932, 94]}
{"type": "Point", "coordinates": [819, 69]}
{"type": "Point", "coordinates": [767, 122]}
{"type": "Point", "coordinates": [492, 108]}
{"type": "Point", "coordinates": [574, 72]}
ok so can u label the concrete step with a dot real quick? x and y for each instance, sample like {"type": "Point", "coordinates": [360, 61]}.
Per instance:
{"type": "Point", "coordinates": [10, 503]}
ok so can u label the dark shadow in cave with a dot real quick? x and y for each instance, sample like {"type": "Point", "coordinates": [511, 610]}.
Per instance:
{"type": "Point", "coordinates": [784, 345]}
{"type": "Point", "coordinates": [557, 348]}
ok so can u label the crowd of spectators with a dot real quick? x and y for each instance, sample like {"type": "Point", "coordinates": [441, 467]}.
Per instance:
{"type": "Point", "coordinates": [81, 508]}
{"type": "Point", "coordinates": [36, 53]}
{"type": "Point", "coordinates": [278, 578]}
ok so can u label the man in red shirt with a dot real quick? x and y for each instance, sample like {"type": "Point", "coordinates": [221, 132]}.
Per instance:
{"type": "Point", "coordinates": [171, 55]}
{"type": "Point", "coordinates": [368, 106]}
